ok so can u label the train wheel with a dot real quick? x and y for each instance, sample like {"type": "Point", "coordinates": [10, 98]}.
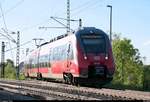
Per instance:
{"type": "Point", "coordinates": [68, 78]}
{"type": "Point", "coordinates": [65, 78]}
{"type": "Point", "coordinates": [27, 76]}
{"type": "Point", "coordinates": [39, 76]}
{"type": "Point", "coordinates": [75, 81]}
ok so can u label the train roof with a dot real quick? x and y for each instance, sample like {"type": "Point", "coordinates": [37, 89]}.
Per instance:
{"type": "Point", "coordinates": [83, 30]}
{"type": "Point", "coordinates": [89, 30]}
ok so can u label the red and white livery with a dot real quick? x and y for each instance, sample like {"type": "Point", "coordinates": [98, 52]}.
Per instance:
{"type": "Point", "coordinates": [81, 57]}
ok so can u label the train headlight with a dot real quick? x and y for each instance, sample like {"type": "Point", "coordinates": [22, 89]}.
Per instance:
{"type": "Point", "coordinates": [106, 57]}
{"type": "Point", "coordinates": [85, 57]}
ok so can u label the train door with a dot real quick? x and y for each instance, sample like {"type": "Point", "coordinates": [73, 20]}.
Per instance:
{"type": "Point", "coordinates": [68, 50]}
{"type": "Point", "coordinates": [49, 62]}
{"type": "Point", "coordinates": [69, 56]}
{"type": "Point", "coordinates": [68, 77]}
{"type": "Point", "coordinates": [30, 66]}
{"type": "Point", "coordinates": [38, 62]}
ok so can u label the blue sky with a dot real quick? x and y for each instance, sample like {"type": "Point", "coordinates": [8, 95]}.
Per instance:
{"type": "Point", "coordinates": [130, 18]}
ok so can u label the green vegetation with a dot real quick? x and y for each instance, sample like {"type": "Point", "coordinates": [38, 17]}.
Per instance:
{"type": "Point", "coordinates": [10, 71]}
{"type": "Point", "coordinates": [129, 67]}
{"type": "Point", "coordinates": [146, 82]}
{"type": "Point", "coordinates": [129, 72]}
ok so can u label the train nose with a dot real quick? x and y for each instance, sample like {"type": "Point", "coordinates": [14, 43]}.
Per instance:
{"type": "Point", "coordinates": [96, 59]}
{"type": "Point", "coordinates": [96, 71]}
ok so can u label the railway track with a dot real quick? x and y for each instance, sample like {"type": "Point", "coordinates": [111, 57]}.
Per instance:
{"type": "Point", "coordinates": [69, 92]}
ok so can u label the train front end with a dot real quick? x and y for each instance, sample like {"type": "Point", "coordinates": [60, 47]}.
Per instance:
{"type": "Point", "coordinates": [94, 56]}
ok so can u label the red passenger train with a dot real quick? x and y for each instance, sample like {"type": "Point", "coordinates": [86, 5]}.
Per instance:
{"type": "Point", "coordinates": [81, 57]}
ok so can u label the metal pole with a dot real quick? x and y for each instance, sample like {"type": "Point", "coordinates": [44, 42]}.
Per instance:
{"type": "Point", "coordinates": [37, 43]}
{"type": "Point", "coordinates": [27, 50]}
{"type": "Point", "coordinates": [80, 23]}
{"type": "Point", "coordinates": [17, 55]}
{"type": "Point", "coordinates": [2, 60]}
{"type": "Point", "coordinates": [68, 16]}
{"type": "Point", "coordinates": [110, 22]}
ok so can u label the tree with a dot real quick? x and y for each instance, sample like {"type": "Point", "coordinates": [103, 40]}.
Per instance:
{"type": "Point", "coordinates": [129, 66]}
{"type": "Point", "coordinates": [146, 82]}
{"type": "Point", "coordinates": [10, 71]}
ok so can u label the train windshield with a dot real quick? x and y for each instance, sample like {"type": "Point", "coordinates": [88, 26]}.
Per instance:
{"type": "Point", "coordinates": [94, 43]}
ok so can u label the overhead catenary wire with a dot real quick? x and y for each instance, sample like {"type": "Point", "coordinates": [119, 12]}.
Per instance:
{"type": "Point", "coordinates": [3, 16]}
{"type": "Point", "coordinates": [86, 3]}
{"type": "Point", "coordinates": [35, 25]}
{"type": "Point", "coordinates": [17, 4]}
{"type": "Point", "coordinates": [8, 43]}
{"type": "Point", "coordinates": [6, 29]}
{"type": "Point", "coordinates": [82, 9]}
{"type": "Point", "coordinates": [82, 5]}
{"type": "Point", "coordinates": [7, 33]}
{"type": "Point", "coordinates": [20, 46]}
{"type": "Point", "coordinates": [13, 7]}
{"type": "Point", "coordinates": [4, 21]}
{"type": "Point", "coordinates": [25, 28]}
{"type": "Point", "coordinates": [5, 36]}
{"type": "Point", "coordinates": [77, 7]}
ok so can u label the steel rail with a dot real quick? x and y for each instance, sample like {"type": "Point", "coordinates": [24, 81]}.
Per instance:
{"type": "Point", "coordinates": [73, 92]}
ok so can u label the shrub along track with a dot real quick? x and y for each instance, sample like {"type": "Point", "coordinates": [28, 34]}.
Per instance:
{"type": "Point", "coordinates": [63, 91]}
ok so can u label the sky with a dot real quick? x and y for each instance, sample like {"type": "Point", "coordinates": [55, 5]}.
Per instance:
{"type": "Point", "coordinates": [130, 18]}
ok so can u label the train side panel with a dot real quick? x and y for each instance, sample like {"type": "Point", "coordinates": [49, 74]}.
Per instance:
{"type": "Point", "coordinates": [54, 59]}
{"type": "Point", "coordinates": [86, 55]}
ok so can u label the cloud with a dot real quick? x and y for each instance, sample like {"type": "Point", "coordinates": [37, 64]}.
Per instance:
{"type": "Point", "coordinates": [147, 43]}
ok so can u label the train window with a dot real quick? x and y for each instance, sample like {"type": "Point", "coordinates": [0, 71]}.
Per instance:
{"type": "Point", "coordinates": [36, 65]}
{"type": "Point", "coordinates": [49, 64]}
{"type": "Point", "coordinates": [40, 65]}
{"type": "Point", "coordinates": [45, 64]}
{"type": "Point", "coordinates": [27, 66]}
{"type": "Point", "coordinates": [64, 52]}
{"type": "Point", "coordinates": [32, 65]}
{"type": "Point", "coordinates": [94, 45]}
{"type": "Point", "coordinates": [53, 54]}
{"type": "Point", "coordinates": [50, 55]}
{"type": "Point", "coordinates": [57, 53]}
